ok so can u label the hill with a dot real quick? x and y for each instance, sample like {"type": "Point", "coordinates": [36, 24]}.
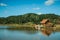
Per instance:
{"type": "Point", "coordinates": [29, 17]}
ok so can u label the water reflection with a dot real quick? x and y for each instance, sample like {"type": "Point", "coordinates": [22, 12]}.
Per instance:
{"type": "Point", "coordinates": [47, 32]}
{"type": "Point", "coordinates": [28, 34]}
{"type": "Point", "coordinates": [28, 30]}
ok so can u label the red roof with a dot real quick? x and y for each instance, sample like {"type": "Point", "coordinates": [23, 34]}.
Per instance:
{"type": "Point", "coordinates": [44, 21]}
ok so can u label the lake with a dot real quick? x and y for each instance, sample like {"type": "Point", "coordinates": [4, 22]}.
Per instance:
{"type": "Point", "coordinates": [6, 34]}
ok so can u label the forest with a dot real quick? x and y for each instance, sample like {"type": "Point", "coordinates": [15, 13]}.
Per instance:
{"type": "Point", "coordinates": [29, 17]}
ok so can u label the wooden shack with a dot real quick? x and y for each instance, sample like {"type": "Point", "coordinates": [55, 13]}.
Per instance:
{"type": "Point", "coordinates": [46, 23]}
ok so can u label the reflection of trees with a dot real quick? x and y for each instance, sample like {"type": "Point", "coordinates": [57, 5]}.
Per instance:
{"type": "Point", "coordinates": [28, 30]}
{"type": "Point", "coordinates": [31, 32]}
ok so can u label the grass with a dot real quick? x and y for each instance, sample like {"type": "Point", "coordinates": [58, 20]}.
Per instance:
{"type": "Point", "coordinates": [58, 27]}
{"type": "Point", "coordinates": [29, 24]}
{"type": "Point", "coordinates": [17, 25]}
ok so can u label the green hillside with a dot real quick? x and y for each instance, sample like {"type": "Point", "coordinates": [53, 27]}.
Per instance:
{"type": "Point", "coordinates": [29, 17]}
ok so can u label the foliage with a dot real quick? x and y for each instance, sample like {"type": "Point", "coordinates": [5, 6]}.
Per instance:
{"type": "Point", "coordinates": [29, 17]}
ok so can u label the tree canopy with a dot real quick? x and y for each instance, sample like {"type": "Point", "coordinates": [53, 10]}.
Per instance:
{"type": "Point", "coordinates": [29, 17]}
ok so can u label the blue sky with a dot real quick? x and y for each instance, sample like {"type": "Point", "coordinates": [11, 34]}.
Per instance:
{"type": "Point", "coordinates": [19, 7]}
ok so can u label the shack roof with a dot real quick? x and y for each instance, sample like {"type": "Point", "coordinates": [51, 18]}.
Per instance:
{"type": "Point", "coordinates": [44, 21]}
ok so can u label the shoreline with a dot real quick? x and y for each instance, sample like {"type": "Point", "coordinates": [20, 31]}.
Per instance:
{"type": "Point", "coordinates": [18, 26]}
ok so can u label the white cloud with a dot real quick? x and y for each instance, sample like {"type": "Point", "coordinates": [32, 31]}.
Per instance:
{"type": "Point", "coordinates": [39, 13]}
{"type": "Point", "coordinates": [49, 2]}
{"type": "Point", "coordinates": [3, 4]}
{"type": "Point", "coordinates": [36, 8]}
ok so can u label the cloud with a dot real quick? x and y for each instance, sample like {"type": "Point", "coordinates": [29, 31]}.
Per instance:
{"type": "Point", "coordinates": [36, 8]}
{"type": "Point", "coordinates": [39, 13]}
{"type": "Point", "coordinates": [49, 2]}
{"type": "Point", "coordinates": [3, 4]}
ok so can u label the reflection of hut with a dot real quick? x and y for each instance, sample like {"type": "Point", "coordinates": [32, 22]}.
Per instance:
{"type": "Point", "coordinates": [46, 32]}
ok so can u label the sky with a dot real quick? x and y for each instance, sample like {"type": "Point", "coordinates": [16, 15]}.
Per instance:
{"type": "Point", "coordinates": [20, 7]}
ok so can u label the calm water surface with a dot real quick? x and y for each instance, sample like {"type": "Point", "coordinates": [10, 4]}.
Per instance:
{"type": "Point", "coordinates": [6, 34]}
